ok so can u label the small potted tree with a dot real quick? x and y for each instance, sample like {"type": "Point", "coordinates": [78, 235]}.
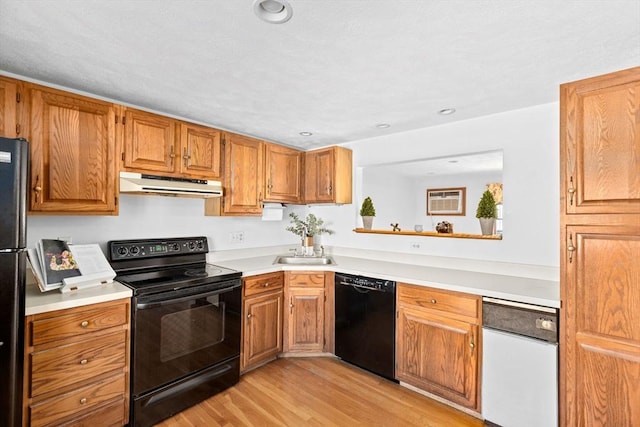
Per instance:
{"type": "Point", "coordinates": [367, 212]}
{"type": "Point", "coordinates": [487, 212]}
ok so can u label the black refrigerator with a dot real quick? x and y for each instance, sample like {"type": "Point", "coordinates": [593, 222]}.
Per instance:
{"type": "Point", "coordinates": [14, 161]}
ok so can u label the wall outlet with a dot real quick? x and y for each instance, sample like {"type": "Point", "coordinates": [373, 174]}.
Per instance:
{"type": "Point", "coordinates": [414, 245]}
{"type": "Point", "coordinates": [236, 237]}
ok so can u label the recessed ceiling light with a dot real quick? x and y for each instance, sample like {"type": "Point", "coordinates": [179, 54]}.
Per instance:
{"type": "Point", "coordinates": [306, 133]}
{"type": "Point", "coordinates": [383, 125]}
{"type": "Point", "coordinates": [446, 111]}
{"type": "Point", "coordinates": [273, 11]}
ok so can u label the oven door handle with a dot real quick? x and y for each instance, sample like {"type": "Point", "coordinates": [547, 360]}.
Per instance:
{"type": "Point", "coordinates": [147, 305]}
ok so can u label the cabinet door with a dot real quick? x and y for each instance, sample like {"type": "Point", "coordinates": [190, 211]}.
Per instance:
{"type": "Point", "coordinates": [8, 108]}
{"type": "Point", "coordinates": [601, 340]}
{"type": "Point", "coordinates": [262, 329]}
{"type": "Point", "coordinates": [244, 173]}
{"type": "Point", "coordinates": [200, 151]}
{"type": "Point", "coordinates": [149, 142]}
{"type": "Point", "coordinates": [305, 321]}
{"type": "Point", "coordinates": [73, 143]}
{"type": "Point", "coordinates": [319, 176]}
{"type": "Point", "coordinates": [600, 131]}
{"type": "Point", "coordinates": [283, 182]}
{"type": "Point", "coordinates": [437, 354]}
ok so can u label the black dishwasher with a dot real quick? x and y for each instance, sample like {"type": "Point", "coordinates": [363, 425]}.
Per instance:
{"type": "Point", "coordinates": [366, 323]}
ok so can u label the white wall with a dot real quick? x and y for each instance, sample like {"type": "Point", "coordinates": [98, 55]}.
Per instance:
{"type": "Point", "coordinates": [159, 217]}
{"type": "Point", "coordinates": [529, 138]}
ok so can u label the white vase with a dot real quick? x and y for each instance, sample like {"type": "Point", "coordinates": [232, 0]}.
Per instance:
{"type": "Point", "coordinates": [487, 225]}
{"type": "Point", "coordinates": [367, 222]}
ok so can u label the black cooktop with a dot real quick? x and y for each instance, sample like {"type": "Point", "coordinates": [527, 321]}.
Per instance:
{"type": "Point", "coordinates": [158, 265]}
{"type": "Point", "coordinates": [177, 277]}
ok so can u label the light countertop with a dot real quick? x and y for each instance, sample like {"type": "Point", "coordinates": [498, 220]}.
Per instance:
{"type": "Point", "coordinates": [37, 302]}
{"type": "Point", "coordinates": [521, 289]}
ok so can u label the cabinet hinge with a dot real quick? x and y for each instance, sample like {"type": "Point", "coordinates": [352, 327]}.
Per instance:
{"type": "Point", "coordinates": [116, 117]}
{"type": "Point", "coordinates": [18, 128]}
{"type": "Point", "coordinates": [124, 120]}
{"type": "Point", "coordinates": [116, 200]}
{"type": "Point", "coordinates": [122, 156]}
{"type": "Point", "coordinates": [18, 97]}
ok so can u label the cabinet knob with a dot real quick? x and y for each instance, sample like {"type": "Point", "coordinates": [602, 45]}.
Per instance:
{"type": "Point", "coordinates": [83, 400]}
{"type": "Point", "coordinates": [84, 324]}
{"type": "Point", "coordinates": [84, 361]}
{"type": "Point", "coordinates": [266, 285]}
{"type": "Point", "coordinates": [248, 315]}
{"type": "Point", "coordinates": [433, 301]}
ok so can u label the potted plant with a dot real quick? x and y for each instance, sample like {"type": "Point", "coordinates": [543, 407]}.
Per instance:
{"type": "Point", "coordinates": [308, 228]}
{"type": "Point", "coordinates": [487, 212]}
{"type": "Point", "coordinates": [367, 212]}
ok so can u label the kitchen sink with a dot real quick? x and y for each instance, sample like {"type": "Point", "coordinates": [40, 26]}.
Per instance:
{"type": "Point", "coordinates": [301, 260]}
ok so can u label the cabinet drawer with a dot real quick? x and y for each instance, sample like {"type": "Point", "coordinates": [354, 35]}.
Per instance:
{"type": "Point", "coordinates": [59, 367]}
{"type": "Point", "coordinates": [77, 402]}
{"type": "Point", "coordinates": [263, 283]}
{"type": "Point", "coordinates": [306, 279]}
{"type": "Point", "coordinates": [78, 323]}
{"type": "Point", "coordinates": [112, 415]}
{"type": "Point", "coordinates": [439, 300]}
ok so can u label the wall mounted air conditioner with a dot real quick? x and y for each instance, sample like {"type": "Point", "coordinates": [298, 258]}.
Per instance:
{"type": "Point", "coordinates": [446, 201]}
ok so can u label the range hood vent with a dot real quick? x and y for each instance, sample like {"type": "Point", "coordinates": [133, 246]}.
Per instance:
{"type": "Point", "coordinates": [136, 183]}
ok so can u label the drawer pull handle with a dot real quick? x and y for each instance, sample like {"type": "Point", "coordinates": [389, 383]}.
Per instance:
{"type": "Point", "coordinates": [433, 301]}
{"type": "Point", "coordinates": [84, 324]}
{"type": "Point", "coordinates": [83, 400]}
{"type": "Point", "coordinates": [84, 361]}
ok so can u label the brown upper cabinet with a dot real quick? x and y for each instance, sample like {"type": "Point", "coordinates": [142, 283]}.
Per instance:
{"type": "Point", "coordinates": [73, 140]}
{"type": "Point", "coordinates": [600, 131]}
{"type": "Point", "coordinates": [283, 174]}
{"type": "Point", "coordinates": [9, 100]}
{"type": "Point", "coordinates": [162, 145]}
{"type": "Point", "coordinates": [244, 175]}
{"type": "Point", "coordinates": [328, 175]}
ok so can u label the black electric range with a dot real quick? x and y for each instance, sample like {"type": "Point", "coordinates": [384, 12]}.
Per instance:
{"type": "Point", "coordinates": [186, 320]}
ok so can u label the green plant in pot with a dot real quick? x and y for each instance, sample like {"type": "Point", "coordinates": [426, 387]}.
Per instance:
{"type": "Point", "coordinates": [367, 212]}
{"type": "Point", "coordinates": [308, 228]}
{"type": "Point", "coordinates": [487, 212]}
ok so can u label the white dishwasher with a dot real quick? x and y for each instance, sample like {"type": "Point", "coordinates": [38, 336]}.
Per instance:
{"type": "Point", "coordinates": [519, 364]}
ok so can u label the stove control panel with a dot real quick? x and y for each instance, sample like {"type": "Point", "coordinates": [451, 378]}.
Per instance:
{"type": "Point", "coordinates": [153, 248]}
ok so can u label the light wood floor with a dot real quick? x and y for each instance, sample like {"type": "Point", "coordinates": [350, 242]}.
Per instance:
{"type": "Point", "coordinates": [318, 392]}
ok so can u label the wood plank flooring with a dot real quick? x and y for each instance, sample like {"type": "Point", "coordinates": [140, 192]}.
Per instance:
{"type": "Point", "coordinates": [318, 392]}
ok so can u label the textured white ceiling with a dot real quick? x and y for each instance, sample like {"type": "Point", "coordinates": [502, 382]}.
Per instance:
{"type": "Point", "coordinates": [336, 69]}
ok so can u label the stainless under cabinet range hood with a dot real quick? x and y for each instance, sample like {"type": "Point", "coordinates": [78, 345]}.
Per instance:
{"type": "Point", "coordinates": [136, 183]}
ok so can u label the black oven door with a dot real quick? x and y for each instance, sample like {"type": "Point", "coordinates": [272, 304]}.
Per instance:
{"type": "Point", "coordinates": [181, 332]}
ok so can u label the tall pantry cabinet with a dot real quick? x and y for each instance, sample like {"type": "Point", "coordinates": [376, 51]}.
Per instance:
{"type": "Point", "coordinates": [600, 250]}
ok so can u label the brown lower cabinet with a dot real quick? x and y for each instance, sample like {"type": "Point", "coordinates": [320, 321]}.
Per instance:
{"type": "Point", "coordinates": [308, 325]}
{"type": "Point", "coordinates": [77, 366]}
{"type": "Point", "coordinates": [437, 342]}
{"type": "Point", "coordinates": [262, 325]}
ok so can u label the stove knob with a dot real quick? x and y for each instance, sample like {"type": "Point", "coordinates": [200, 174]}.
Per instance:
{"type": "Point", "coordinates": [122, 251]}
{"type": "Point", "coordinates": [175, 247]}
{"type": "Point", "coordinates": [200, 245]}
{"type": "Point", "coordinates": [191, 246]}
{"type": "Point", "coordinates": [134, 250]}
